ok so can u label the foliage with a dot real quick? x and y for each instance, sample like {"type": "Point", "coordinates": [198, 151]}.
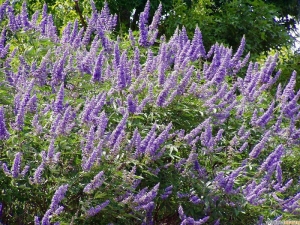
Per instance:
{"type": "Point", "coordinates": [128, 11]}
{"type": "Point", "coordinates": [288, 12]}
{"type": "Point", "coordinates": [266, 24]}
{"type": "Point", "coordinates": [140, 130]}
{"type": "Point", "coordinates": [228, 22]}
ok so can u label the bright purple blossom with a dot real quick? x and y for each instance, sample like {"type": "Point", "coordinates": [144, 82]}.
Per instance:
{"type": "Point", "coordinates": [197, 48]}
{"type": "Point", "coordinates": [24, 17]}
{"type": "Point", "coordinates": [4, 134]}
{"type": "Point", "coordinates": [66, 33]}
{"type": "Point", "coordinates": [97, 73]}
{"type": "Point", "coordinates": [95, 183]}
{"type": "Point", "coordinates": [272, 159]}
{"type": "Point", "coordinates": [15, 170]}
{"type": "Point", "coordinates": [142, 200]}
{"type": "Point", "coordinates": [95, 210]}
{"type": "Point", "coordinates": [188, 137]}
{"type": "Point", "coordinates": [58, 197]}
{"type": "Point", "coordinates": [88, 163]}
{"type": "Point", "coordinates": [143, 30]}
{"type": "Point", "coordinates": [58, 105]}
{"type": "Point", "coordinates": [37, 177]}
{"type": "Point", "coordinates": [168, 191]}
{"type": "Point", "coordinates": [122, 72]}
{"type": "Point", "coordinates": [260, 145]}
{"type": "Point", "coordinates": [239, 52]}
{"type": "Point", "coordinates": [117, 131]}
{"type": "Point", "coordinates": [66, 123]}
{"type": "Point", "coordinates": [288, 92]}
{"type": "Point", "coordinates": [3, 8]}
{"type": "Point", "coordinates": [266, 117]}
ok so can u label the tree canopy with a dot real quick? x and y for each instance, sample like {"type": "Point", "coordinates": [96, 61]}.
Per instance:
{"type": "Point", "coordinates": [267, 24]}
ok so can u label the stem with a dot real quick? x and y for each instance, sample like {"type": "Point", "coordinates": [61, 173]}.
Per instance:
{"type": "Point", "coordinates": [80, 14]}
{"type": "Point", "coordinates": [120, 24]}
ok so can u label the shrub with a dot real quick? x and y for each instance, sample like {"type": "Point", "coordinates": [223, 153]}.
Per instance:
{"type": "Point", "coordinates": [138, 130]}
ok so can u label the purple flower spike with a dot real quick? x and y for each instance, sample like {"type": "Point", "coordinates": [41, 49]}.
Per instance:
{"type": "Point", "coordinates": [94, 210]}
{"type": "Point", "coordinates": [43, 23]}
{"type": "Point", "coordinates": [24, 171]}
{"type": "Point", "coordinates": [94, 9]}
{"type": "Point", "coordinates": [101, 121]}
{"type": "Point", "coordinates": [96, 182]}
{"type": "Point", "coordinates": [181, 213]}
{"type": "Point", "coordinates": [66, 33]}
{"type": "Point", "coordinates": [58, 196]}
{"type": "Point", "coordinates": [197, 48]}
{"type": "Point", "coordinates": [266, 117]}
{"type": "Point", "coordinates": [58, 105]}
{"type": "Point", "coordinates": [37, 174]}
{"type": "Point", "coordinates": [36, 221]}
{"type": "Point", "coordinates": [96, 77]}
{"type": "Point", "coordinates": [58, 69]}
{"type": "Point", "coordinates": [51, 157]}
{"type": "Point", "coordinates": [239, 52]}
{"type": "Point", "coordinates": [185, 81]}
{"type": "Point", "coordinates": [13, 25]}
{"type": "Point", "coordinates": [118, 130]}
{"type": "Point", "coordinates": [195, 199]}
{"type": "Point", "coordinates": [131, 104]}
{"type": "Point", "coordinates": [143, 30]}
{"type": "Point", "coordinates": [196, 131]}
{"type": "Point", "coordinates": [15, 171]}
{"type": "Point", "coordinates": [272, 159]}
{"type": "Point", "coordinates": [6, 170]}
{"type": "Point", "coordinates": [32, 104]}
{"type": "Point", "coordinates": [122, 72]}
{"type": "Point", "coordinates": [116, 61]}
{"type": "Point", "coordinates": [74, 31]}
{"type": "Point", "coordinates": [4, 51]}
{"type": "Point", "coordinates": [2, 9]}
{"type": "Point", "coordinates": [46, 219]}
{"type": "Point", "coordinates": [153, 27]}
{"type": "Point", "coordinates": [24, 17]}
{"type": "Point", "coordinates": [136, 68]}
{"type": "Point", "coordinates": [167, 192]}
{"type": "Point", "coordinates": [145, 142]}
{"type": "Point", "coordinates": [288, 92]}
{"type": "Point", "coordinates": [259, 146]}
{"type": "Point", "coordinates": [143, 199]}
{"type": "Point", "coordinates": [2, 39]}
{"type": "Point", "coordinates": [77, 40]}
{"type": "Point", "coordinates": [51, 29]}
{"type": "Point", "coordinates": [146, 10]}
{"type": "Point", "coordinates": [95, 155]}
{"type": "Point", "coordinates": [217, 222]}
{"type": "Point", "coordinates": [4, 134]}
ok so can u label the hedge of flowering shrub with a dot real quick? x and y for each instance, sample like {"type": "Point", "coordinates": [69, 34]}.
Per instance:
{"type": "Point", "coordinates": [98, 129]}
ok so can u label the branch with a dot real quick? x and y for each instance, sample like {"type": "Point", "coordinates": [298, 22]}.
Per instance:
{"type": "Point", "coordinates": [80, 14]}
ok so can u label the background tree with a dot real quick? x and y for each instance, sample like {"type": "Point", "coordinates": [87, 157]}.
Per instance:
{"type": "Point", "coordinates": [266, 24]}
{"type": "Point", "coordinates": [289, 12]}
{"type": "Point", "coordinates": [228, 21]}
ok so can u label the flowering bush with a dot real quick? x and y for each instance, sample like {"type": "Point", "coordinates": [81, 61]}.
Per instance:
{"type": "Point", "coordinates": [134, 130]}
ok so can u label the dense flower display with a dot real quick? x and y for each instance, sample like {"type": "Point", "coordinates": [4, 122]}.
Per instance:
{"type": "Point", "coordinates": [139, 130]}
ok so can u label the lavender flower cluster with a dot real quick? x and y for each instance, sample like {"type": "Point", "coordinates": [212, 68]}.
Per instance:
{"type": "Point", "coordinates": [90, 90]}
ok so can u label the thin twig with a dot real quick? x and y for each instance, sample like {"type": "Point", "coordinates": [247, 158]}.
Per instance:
{"type": "Point", "coordinates": [77, 8]}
